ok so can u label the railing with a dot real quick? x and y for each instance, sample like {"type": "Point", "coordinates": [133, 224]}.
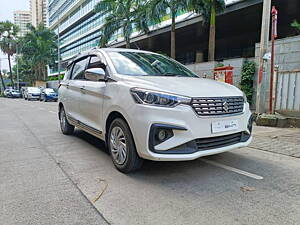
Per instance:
{"type": "Point", "coordinates": [288, 91]}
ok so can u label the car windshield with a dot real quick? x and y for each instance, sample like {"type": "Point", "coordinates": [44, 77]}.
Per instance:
{"type": "Point", "coordinates": [33, 89]}
{"type": "Point", "coordinates": [147, 64]}
{"type": "Point", "coordinates": [49, 91]}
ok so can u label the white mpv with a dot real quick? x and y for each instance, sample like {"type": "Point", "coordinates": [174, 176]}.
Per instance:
{"type": "Point", "coordinates": [148, 106]}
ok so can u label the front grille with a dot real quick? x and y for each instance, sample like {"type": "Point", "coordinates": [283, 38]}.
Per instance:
{"type": "Point", "coordinates": [218, 105]}
{"type": "Point", "coordinates": [219, 142]}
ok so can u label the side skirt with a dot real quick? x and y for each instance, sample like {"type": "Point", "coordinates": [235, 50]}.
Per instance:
{"type": "Point", "coordinates": [85, 127]}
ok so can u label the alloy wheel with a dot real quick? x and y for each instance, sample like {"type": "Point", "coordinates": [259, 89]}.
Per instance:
{"type": "Point", "coordinates": [118, 146]}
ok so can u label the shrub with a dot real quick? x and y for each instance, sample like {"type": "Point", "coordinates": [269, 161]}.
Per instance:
{"type": "Point", "coordinates": [248, 72]}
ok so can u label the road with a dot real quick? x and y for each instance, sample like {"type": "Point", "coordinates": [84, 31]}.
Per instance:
{"type": "Point", "coordinates": [49, 178]}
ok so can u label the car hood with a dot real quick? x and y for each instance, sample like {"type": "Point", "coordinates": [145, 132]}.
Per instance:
{"type": "Point", "coordinates": [186, 86]}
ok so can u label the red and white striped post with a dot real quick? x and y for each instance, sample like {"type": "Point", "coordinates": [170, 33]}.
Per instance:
{"type": "Point", "coordinates": [274, 36]}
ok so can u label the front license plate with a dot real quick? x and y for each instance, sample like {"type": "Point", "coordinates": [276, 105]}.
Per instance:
{"type": "Point", "coordinates": [223, 126]}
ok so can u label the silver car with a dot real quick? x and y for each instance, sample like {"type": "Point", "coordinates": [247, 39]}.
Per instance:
{"type": "Point", "coordinates": [32, 93]}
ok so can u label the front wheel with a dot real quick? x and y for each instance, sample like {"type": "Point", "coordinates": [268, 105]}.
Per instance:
{"type": "Point", "coordinates": [65, 127]}
{"type": "Point", "coordinates": [122, 148]}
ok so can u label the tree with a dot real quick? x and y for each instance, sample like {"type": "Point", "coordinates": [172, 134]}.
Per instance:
{"type": "Point", "coordinates": [124, 16]}
{"type": "Point", "coordinates": [208, 9]}
{"type": "Point", "coordinates": [38, 49]}
{"type": "Point", "coordinates": [160, 8]}
{"type": "Point", "coordinates": [2, 81]}
{"type": "Point", "coordinates": [8, 35]}
{"type": "Point", "coordinates": [296, 25]}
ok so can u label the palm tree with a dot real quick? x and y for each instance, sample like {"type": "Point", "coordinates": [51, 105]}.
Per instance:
{"type": "Point", "coordinates": [39, 49]}
{"type": "Point", "coordinates": [124, 16]}
{"type": "Point", "coordinates": [2, 81]}
{"type": "Point", "coordinates": [208, 9]}
{"type": "Point", "coordinates": [8, 34]}
{"type": "Point", "coordinates": [161, 8]}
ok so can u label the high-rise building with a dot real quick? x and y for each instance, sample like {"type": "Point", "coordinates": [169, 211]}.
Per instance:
{"type": "Point", "coordinates": [38, 9]}
{"type": "Point", "coordinates": [237, 31]}
{"type": "Point", "coordinates": [22, 18]}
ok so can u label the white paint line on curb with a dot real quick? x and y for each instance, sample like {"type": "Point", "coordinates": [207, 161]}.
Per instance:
{"type": "Point", "coordinates": [252, 175]}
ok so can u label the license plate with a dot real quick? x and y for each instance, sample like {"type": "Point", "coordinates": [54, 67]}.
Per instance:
{"type": "Point", "coordinates": [223, 126]}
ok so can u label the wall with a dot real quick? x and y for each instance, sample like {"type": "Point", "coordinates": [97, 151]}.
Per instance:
{"type": "Point", "coordinates": [206, 69]}
{"type": "Point", "coordinates": [287, 57]}
{"type": "Point", "coordinates": [52, 84]}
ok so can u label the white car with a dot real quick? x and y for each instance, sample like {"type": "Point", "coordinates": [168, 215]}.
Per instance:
{"type": "Point", "coordinates": [148, 106]}
{"type": "Point", "coordinates": [32, 93]}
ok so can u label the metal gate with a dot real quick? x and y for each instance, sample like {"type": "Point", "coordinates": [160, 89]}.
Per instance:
{"type": "Point", "coordinates": [288, 92]}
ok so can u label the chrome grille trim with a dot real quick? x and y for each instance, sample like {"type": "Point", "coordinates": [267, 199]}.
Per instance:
{"type": "Point", "coordinates": [212, 106]}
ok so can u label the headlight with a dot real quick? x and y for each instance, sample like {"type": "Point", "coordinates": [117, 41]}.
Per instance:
{"type": "Point", "coordinates": [148, 97]}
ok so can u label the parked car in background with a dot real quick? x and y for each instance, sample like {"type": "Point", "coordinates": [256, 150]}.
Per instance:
{"type": "Point", "coordinates": [14, 94]}
{"type": "Point", "coordinates": [23, 89]}
{"type": "Point", "coordinates": [32, 93]}
{"type": "Point", "coordinates": [48, 94]}
{"type": "Point", "coordinates": [148, 106]}
{"type": "Point", "coordinates": [6, 92]}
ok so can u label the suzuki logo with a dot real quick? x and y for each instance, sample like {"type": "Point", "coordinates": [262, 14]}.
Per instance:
{"type": "Point", "coordinates": [225, 106]}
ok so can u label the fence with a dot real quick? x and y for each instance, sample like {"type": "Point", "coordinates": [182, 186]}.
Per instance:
{"type": "Point", "coordinates": [288, 92]}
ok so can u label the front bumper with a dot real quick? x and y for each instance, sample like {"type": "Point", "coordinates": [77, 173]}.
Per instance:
{"type": "Point", "coordinates": [182, 145]}
{"type": "Point", "coordinates": [51, 98]}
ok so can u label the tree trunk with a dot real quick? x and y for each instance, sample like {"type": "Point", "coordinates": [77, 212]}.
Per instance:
{"type": "Point", "coordinates": [127, 43]}
{"type": "Point", "coordinates": [3, 84]}
{"type": "Point", "coordinates": [173, 37]}
{"type": "Point", "coordinates": [10, 71]}
{"type": "Point", "coordinates": [212, 32]}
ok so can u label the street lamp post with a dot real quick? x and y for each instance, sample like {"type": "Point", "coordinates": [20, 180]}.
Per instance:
{"type": "Point", "coordinates": [58, 51]}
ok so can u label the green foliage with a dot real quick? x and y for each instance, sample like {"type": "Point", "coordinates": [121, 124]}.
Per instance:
{"type": "Point", "coordinates": [38, 48]}
{"type": "Point", "coordinates": [122, 16]}
{"type": "Point", "coordinates": [8, 41]}
{"type": "Point", "coordinates": [248, 72]}
{"type": "Point", "coordinates": [56, 77]}
{"type": "Point", "coordinates": [204, 7]}
{"type": "Point", "coordinates": [296, 25]}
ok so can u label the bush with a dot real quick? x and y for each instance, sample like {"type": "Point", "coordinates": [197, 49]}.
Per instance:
{"type": "Point", "coordinates": [56, 77]}
{"type": "Point", "coordinates": [248, 72]}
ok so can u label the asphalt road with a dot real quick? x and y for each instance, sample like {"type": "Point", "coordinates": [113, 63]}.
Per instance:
{"type": "Point", "coordinates": [49, 178]}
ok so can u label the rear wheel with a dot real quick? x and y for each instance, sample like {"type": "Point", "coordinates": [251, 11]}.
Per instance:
{"type": "Point", "coordinates": [65, 127]}
{"type": "Point", "coordinates": [122, 148]}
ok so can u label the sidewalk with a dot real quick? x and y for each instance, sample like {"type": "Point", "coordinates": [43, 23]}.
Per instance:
{"type": "Point", "coordinates": [285, 141]}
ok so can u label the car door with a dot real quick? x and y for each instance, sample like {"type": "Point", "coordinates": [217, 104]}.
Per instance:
{"type": "Point", "coordinates": [92, 99]}
{"type": "Point", "coordinates": [75, 88]}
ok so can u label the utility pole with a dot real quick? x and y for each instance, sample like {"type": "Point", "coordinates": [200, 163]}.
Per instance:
{"type": "Point", "coordinates": [274, 36]}
{"type": "Point", "coordinates": [264, 43]}
{"type": "Point", "coordinates": [58, 51]}
{"type": "Point", "coordinates": [18, 80]}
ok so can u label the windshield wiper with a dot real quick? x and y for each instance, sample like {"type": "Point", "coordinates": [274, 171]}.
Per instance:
{"type": "Point", "coordinates": [171, 75]}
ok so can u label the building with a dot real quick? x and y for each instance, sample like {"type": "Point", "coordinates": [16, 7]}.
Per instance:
{"type": "Point", "coordinates": [21, 19]}
{"type": "Point", "coordinates": [38, 9]}
{"type": "Point", "coordinates": [237, 32]}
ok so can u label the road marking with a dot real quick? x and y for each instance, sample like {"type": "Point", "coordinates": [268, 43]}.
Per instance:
{"type": "Point", "coordinates": [42, 108]}
{"type": "Point", "coordinates": [252, 175]}
{"type": "Point", "coordinates": [52, 112]}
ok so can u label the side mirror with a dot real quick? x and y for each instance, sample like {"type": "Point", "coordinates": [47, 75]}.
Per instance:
{"type": "Point", "coordinates": [95, 74]}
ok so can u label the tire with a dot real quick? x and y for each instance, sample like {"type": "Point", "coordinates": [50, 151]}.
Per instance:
{"type": "Point", "coordinates": [122, 147]}
{"type": "Point", "coordinates": [65, 127]}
